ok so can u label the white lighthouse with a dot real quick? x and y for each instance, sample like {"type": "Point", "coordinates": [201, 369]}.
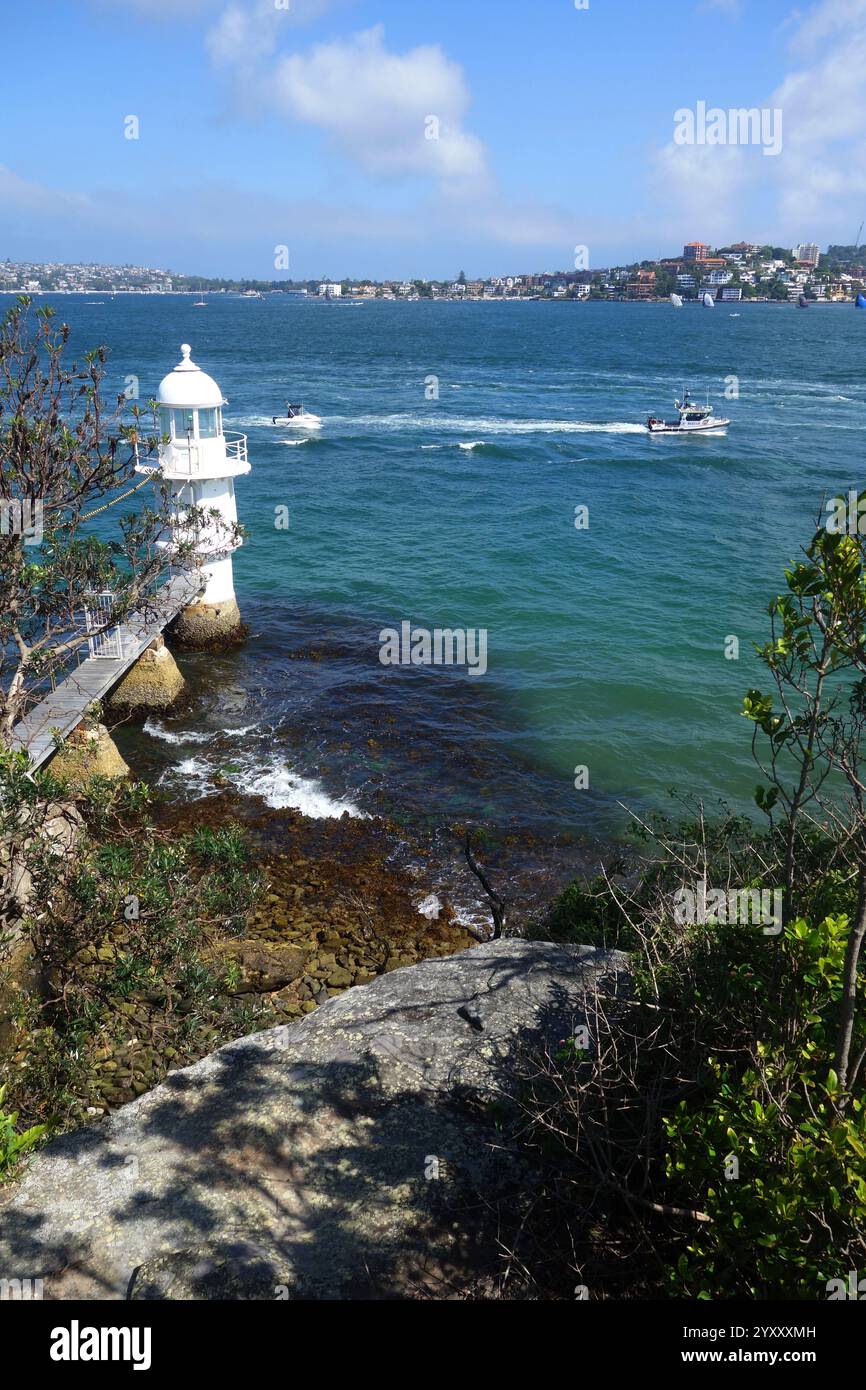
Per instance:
{"type": "Point", "coordinates": [201, 462]}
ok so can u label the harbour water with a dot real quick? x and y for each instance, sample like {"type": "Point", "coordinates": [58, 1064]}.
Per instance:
{"type": "Point", "coordinates": [456, 443]}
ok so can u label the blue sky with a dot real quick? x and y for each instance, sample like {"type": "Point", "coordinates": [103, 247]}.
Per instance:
{"type": "Point", "coordinates": [305, 123]}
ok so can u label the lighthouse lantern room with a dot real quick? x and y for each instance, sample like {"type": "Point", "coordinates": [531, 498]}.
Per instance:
{"type": "Point", "coordinates": [201, 461]}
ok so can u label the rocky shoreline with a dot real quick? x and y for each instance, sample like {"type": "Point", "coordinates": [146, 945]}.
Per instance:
{"type": "Point", "coordinates": [332, 913]}
{"type": "Point", "coordinates": [343, 900]}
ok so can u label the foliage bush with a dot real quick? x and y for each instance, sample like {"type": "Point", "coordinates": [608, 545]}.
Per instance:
{"type": "Point", "coordinates": [119, 931]}
{"type": "Point", "coordinates": [712, 1143]}
{"type": "Point", "coordinates": [12, 1143]}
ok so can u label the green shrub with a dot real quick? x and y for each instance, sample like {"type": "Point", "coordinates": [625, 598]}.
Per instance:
{"type": "Point", "coordinates": [12, 1144]}
{"type": "Point", "coordinates": [123, 952]}
{"type": "Point", "coordinates": [768, 1151]}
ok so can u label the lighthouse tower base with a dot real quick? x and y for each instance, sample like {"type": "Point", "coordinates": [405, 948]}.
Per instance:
{"type": "Point", "coordinates": [209, 624]}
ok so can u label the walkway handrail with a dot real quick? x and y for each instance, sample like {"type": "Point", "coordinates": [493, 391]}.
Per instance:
{"type": "Point", "coordinates": [90, 681]}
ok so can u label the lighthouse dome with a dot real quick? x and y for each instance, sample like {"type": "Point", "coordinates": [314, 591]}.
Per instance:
{"type": "Point", "coordinates": [188, 385]}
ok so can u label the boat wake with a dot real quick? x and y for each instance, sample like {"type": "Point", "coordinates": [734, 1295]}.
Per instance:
{"type": "Point", "coordinates": [255, 422]}
{"type": "Point", "coordinates": [486, 425]}
{"type": "Point", "coordinates": [457, 424]}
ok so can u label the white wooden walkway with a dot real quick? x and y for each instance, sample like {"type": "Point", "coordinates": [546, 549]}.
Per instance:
{"type": "Point", "coordinates": [62, 710]}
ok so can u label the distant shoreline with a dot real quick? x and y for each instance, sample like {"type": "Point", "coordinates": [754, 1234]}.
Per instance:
{"type": "Point", "coordinates": [424, 299]}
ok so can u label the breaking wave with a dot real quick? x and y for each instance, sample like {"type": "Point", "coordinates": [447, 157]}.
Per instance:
{"type": "Point", "coordinates": [281, 788]}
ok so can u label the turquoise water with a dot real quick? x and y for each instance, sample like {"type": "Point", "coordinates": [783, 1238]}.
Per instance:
{"type": "Point", "coordinates": [606, 647]}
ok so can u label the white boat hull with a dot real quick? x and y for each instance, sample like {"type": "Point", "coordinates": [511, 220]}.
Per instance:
{"type": "Point", "coordinates": [301, 422]}
{"type": "Point", "coordinates": [711, 426]}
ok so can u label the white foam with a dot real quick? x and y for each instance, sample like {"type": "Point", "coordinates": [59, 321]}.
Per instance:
{"type": "Point", "coordinates": [294, 443]}
{"type": "Point", "coordinates": [275, 783]}
{"type": "Point", "coordinates": [192, 767]}
{"type": "Point", "coordinates": [478, 444]}
{"type": "Point", "coordinates": [249, 422]}
{"type": "Point", "coordinates": [429, 907]}
{"type": "Point", "coordinates": [195, 775]}
{"type": "Point", "coordinates": [281, 788]}
{"type": "Point", "coordinates": [157, 730]}
{"type": "Point", "coordinates": [473, 917]}
{"type": "Point", "coordinates": [488, 425]}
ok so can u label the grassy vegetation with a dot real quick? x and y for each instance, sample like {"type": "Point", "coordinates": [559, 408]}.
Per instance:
{"type": "Point", "coordinates": [107, 982]}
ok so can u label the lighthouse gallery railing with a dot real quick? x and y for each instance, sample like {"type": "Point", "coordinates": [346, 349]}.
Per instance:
{"type": "Point", "coordinates": [186, 458]}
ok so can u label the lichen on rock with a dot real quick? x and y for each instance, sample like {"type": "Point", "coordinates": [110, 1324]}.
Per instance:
{"type": "Point", "coordinates": [355, 1153]}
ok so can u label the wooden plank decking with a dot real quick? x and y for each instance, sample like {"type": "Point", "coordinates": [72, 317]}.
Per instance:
{"type": "Point", "coordinates": [62, 710]}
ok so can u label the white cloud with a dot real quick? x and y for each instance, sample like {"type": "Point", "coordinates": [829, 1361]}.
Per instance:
{"type": "Point", "coordinates": [815, 187]}
{"type": "Point", "coordinates": [226, 227]}
{"type": "Point", "coordinates": [245, 35]}
{"type": "Point", "coordinates": [701, 186]}
{"type": "Point", "coordinates": [23, 195]}
{"type": "Point", "coordinates": [382, 108]}
{"type": "Point", "coordinates": [242, 37]}
{"type": "Point", "coordinates": [379, 108]}
{"type": "Point", "coordinates": [391, 113]}
{"type": "Point", "coordinates": [825, 19]}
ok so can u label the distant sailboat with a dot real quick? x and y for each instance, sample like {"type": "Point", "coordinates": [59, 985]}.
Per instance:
{"type": "Point", "coordinates": [676, 300]}
{"type": "Point", "coordinates": [803, 302]}
{"type": "Point", "coordinates": [861, 301]}
{"type": "Point", "coordinates": [709, 301]}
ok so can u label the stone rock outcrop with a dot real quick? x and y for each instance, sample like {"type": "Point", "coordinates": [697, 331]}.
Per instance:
{"type": "Point", "coordinates": [259, 966]}
{"type": "Point", "coordinates": [352, 1154]}
{"type": "Point", "coordinates": [209, 624]}
{"type": "Point", "coordinates": [153, 685]}
{"type": "Point", "coordinates": [88, 752]}
{"type": "Point", "coordinates": [55, 829]}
